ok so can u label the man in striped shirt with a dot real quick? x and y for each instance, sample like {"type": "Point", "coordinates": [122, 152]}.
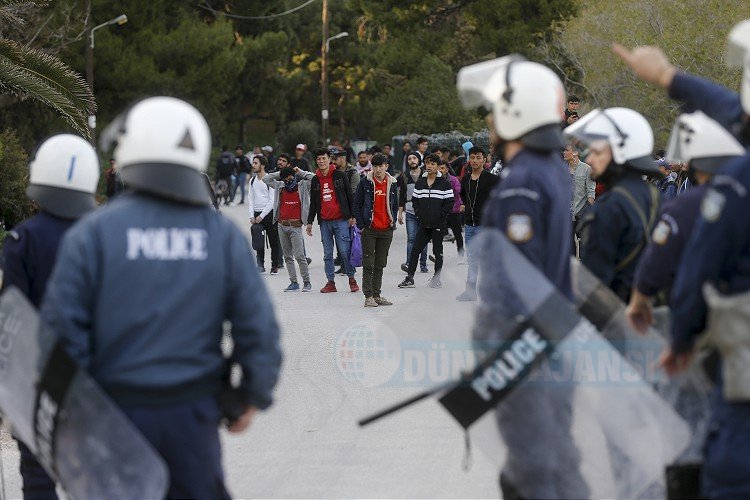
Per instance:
{"type": "Point", "coordinates": [432, 200]}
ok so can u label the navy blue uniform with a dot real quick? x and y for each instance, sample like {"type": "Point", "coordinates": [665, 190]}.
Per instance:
{"type": "Point", "coordinates": [718, 251]}
{"type": "Point", "coordinates": [658, 264]}
{"type": "Point", "coordinates": [29, 254]}
{"type": "Point", "coordinates": [531, 205]}
{"type": "Point", "coordinates": [614, 232]}
{"type": "Point", "coordinates": [699, 94]}
{"type": "Point", "coordinates": [139, 298]}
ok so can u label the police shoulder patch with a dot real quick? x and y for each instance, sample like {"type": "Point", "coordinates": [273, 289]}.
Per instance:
{"type": "Point", "coordinates": [661, 233]}
{"type": "Point", "coordinates": [520, 228]}
{"type": "Point", "coordinates": [712, 205]}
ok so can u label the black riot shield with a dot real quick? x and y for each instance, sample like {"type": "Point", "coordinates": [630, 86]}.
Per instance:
{"type": "Point", "coordinates": [76, 432]}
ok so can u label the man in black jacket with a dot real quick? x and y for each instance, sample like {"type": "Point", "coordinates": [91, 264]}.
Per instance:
{"type": "Point", "coordinates": [331, 201]}
{"type": "Point", "coordinates": [476, 187]}
{"type": "Point", "coordinates": [243, 168]}
{"type": "Point", "coordinates": [432, 201]}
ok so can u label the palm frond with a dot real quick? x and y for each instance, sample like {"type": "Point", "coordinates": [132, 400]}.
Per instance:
{"type": "Point", "coordinates": [8, 9]}
{"type": "Point", "coordinates": [32, 73]}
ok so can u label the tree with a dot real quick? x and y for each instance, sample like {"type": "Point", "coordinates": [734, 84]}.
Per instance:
{"type": "Point", "coordinates": [27, 72]}
{"type": "Point", "coordinates": [14, 176]}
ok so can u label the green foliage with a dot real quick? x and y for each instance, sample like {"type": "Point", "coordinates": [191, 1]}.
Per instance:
{"type": "Point", "coordinates": [14, 177]}
{"type": "Point", "coordinates": [28, 72]}
{"type": "Point", "coordinates": [691, 32]}
{"type": "Point", "coordinates": [300, 131]}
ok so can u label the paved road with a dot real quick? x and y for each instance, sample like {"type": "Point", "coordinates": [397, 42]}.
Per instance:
{"type": "Point", "coordinates": [308, 443]}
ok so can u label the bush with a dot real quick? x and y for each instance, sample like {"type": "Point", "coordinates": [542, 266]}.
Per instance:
{"type": "Point", "coordinates": [301, 131]}
{"type": "Point", "coordinates": [15, 206]}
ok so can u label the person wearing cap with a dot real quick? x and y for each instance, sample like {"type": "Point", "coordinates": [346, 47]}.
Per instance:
{"type": "Point", "coordinates": [63, 177]}
{"type": "Point", "coordinates": [268, 153]}
{"type": "Point", "coordinates": [705, 147]}
{"type": "Point", "coordinates": [530, 205]}
{"type": "Point", "coordinates": [299, 161]}
{"type": "Point", "coordinates": [617, 229]}
{"type": "Point", "coordinates": [375, 208]}
{"type": "Point", "coordinates": [143, 288]}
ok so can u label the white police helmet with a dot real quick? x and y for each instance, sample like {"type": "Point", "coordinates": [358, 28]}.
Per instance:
{"type": "Point", "coordinates": [703, 143]}
{"type": "Point", "coordinates": [63, 176]}
{"type": "Point", "coordinates": [163, 147]}
{"type": "Point", "coordinates": [628, 133]}
{"type": "Point", "coordinates": [738, 54]}
{"type": "Point", "coordinates": [526, 99]}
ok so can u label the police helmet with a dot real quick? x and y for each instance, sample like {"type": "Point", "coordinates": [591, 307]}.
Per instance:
{"type": "Point", "coordinates": [738, 54]}
{"type": "Point", "coordinates": [628, 133]}
{"type": "Point", "coordinates": [163, 146]}
{"type": "Point", "coordinates": [703, 143]}
{"type": "Point", "coordinates": [526, 99]}
{"type": "Point", "coordinates": [63, 176]}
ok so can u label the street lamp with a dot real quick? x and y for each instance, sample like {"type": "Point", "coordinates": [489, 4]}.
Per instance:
{"type": "Point", "coordinates": [119, 20]}
{"type": "Point", "coordinates": [324, 80]}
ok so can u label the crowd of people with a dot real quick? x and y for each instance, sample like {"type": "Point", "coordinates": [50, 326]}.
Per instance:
{"type": "Point", "coordinates": [124, 286]}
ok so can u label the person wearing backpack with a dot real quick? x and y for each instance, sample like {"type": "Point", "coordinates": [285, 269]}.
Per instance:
{"type": "Point", "coordinates": [225, 174]}
{"type": "Point", "coordinates": [261, 200]}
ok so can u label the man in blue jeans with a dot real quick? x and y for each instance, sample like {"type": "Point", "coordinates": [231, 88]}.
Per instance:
{"type": "Point", "coordinates": [406, 182]}
{"type": "Point", "coordinates": [331, 201]}
{"type": "Point", "coordinates": [476, 187]}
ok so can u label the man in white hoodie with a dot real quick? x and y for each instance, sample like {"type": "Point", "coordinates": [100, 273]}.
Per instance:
{"type": "Point", "coordinates": [261, 200]}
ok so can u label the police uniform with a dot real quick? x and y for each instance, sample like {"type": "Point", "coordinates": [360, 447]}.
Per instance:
{"type": "Point", "coordinates": [525, 206]}
{"type": "Point", "coordinates": [144, 286]}
{"type": "Point", "coordinates": [29, 253]}
{"type": "Point", "coordinates": [718, 252]}
{"type": "Point", "coordinates": [658, 264]}
{"type": "Point", "coordinates": [531, 206]}
{"type": "Point", "coordinates": [616, 229]}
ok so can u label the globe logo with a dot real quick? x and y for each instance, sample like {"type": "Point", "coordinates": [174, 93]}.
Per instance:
{"type": "Point", "coordinates": [368, 354]}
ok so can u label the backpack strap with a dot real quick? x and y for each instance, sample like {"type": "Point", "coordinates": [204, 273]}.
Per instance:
{"type": "Point", "coordinates": [647, 225]}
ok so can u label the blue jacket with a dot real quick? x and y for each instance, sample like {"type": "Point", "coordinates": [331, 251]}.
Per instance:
{"type": "Point", "coordinates": [531, 205]}
{"type": "Point", "coordinates": [29, 253]}
{"type": "Point", "coordinates": [613, 233]}
{"type": "Point", "coordinates": [140, 293]}
{"type": "Point", "coordinates": [658, 264]}
{"type": "Point", "coordinates": [718, 251]}
{"type": "Point", "coordinates": [699, 94]}
{"type": "Point", "coordinates": [365, 196]}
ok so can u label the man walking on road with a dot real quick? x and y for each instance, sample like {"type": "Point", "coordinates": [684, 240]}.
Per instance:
{"type": "Point", "coordinates": [375, 208]}
{"type": "Point", "coordinates": [331, 203]}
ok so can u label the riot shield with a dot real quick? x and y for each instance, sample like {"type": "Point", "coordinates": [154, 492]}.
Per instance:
{"type": "Point", "coordinates": [688, 393]}
{"type": "Point", "coordinates": [76, 432]}
{"type": "Point", "coordinates": [581, 422]}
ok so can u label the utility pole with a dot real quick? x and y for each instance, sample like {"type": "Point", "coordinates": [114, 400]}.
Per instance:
{"type": "Point", "coordinates": [89, 53]}
{"type": "Point", "coordinates": [324, 74]}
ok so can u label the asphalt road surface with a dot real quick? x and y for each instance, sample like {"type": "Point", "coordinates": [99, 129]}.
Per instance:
{"type": "Point", "coordinates": [343, 361]}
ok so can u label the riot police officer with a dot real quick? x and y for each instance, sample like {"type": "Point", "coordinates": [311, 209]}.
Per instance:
{"type": "Point", "coordinates": [142, 290]}
{"type": "Point", "coordinates": [531, 206]}
{"type": "Point", "coordinates": [62, 180]}
{"type": "Point", "coordinates": [705, 146]}
{"type": "Point", "coordinates": [616, 229]}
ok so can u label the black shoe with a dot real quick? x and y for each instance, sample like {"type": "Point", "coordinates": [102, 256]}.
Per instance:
{"type": "Point", "coordinates": [309, 260]}
{"type": "Point", "coordinates": [341, 270]}
{"type": "Point", "coordinates": [432, 258]}
{"type": "Point", "coordinates": [407, 283]}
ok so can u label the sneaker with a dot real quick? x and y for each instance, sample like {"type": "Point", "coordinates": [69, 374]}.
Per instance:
{"type": "Point", "coordinates": [370, 302]}
{"type": "Point", "coordinates": [407, 283]}
{"type": "Point", "coordinates": [424, 269]}
{"type": "Point", "coordinates": [274, 270]}
{"type": "Point", "coordinates": [329, 288]}
{"type": "Point", "coordinates": [405, 268]}
{"type": "Point", "coordinates": [353, 286]}
{"type": "Point", "coordinates": [468, 295]}
{"type": "Point", "coordinates": [435, 282]}
{"type": "Point", "coordinates": [307, 287]}
{"type": "Point", "coordinates": [341, 270]}
{"type": "Point", "coordinates": [382, 301]}
{"type": "Point", "coordinates": [261, 269]}
{"type": "Point", "coordinates": [309, 260]}
{"type": "Point", "coordinates": [293, 287]}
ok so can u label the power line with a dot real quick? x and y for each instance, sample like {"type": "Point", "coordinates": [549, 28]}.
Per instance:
{"type": "Point", "coordinates": [270, 16]}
